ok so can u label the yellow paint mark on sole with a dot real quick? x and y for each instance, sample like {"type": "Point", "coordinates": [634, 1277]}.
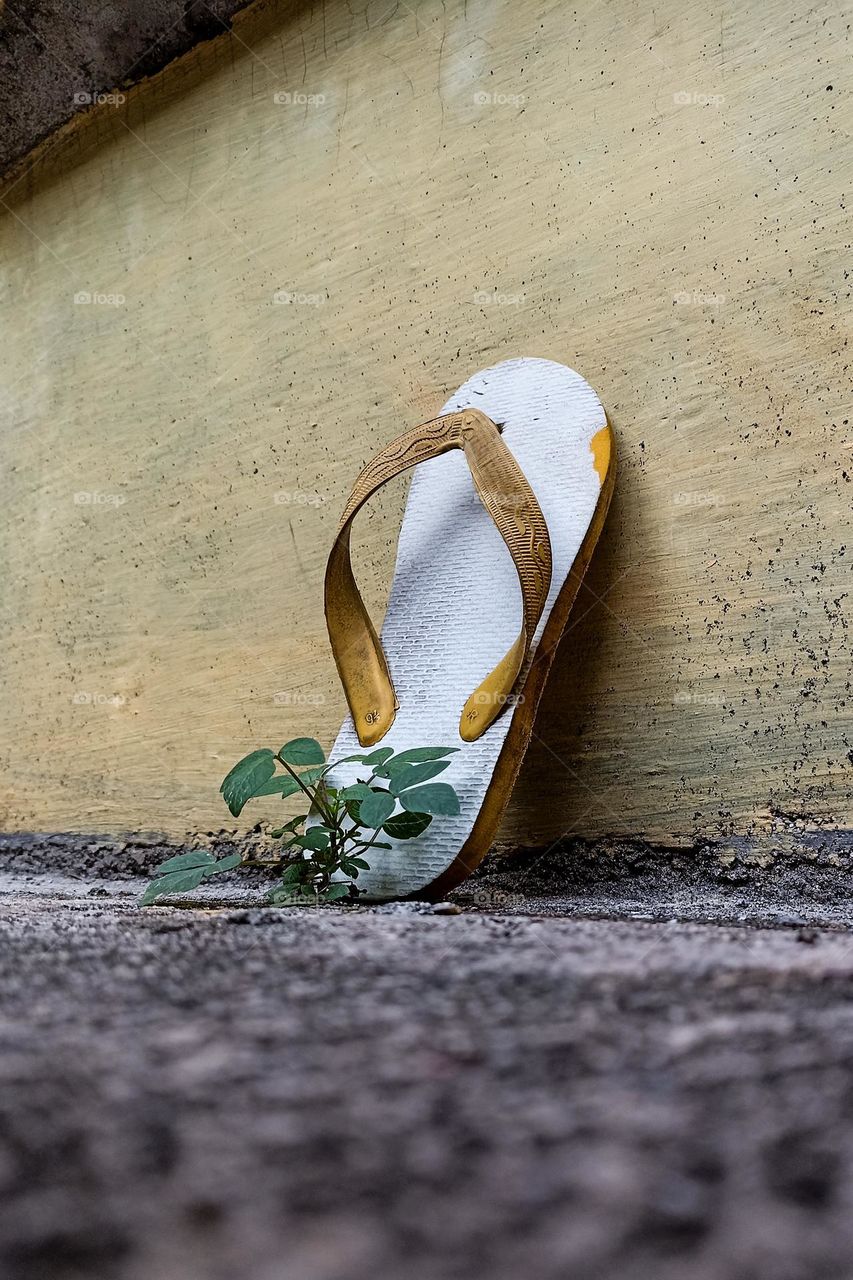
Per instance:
{"type": "Point", "coordinates": [600, 446]}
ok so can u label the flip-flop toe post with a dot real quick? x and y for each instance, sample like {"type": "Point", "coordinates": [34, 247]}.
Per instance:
{"type": "Point", "coordinates": [510, 490]}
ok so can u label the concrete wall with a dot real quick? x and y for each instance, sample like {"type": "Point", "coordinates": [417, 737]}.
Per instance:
{"type": "Point", "coordinates": [656, 197]}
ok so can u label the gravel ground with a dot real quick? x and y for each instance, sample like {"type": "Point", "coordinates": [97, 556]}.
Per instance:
{"type": "Point", "coordinates": [396, 1092]}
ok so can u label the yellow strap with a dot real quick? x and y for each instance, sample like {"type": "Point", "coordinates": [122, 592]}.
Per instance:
{"type": "Point", "coordinates": [509, 500]}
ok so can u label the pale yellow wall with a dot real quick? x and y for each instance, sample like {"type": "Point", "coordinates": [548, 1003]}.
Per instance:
{"type": "Point", "coordinates": [705, 681]}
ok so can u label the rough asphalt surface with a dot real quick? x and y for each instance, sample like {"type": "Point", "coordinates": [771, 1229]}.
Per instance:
{"type": "Point", "coordinates": [390, 1092]}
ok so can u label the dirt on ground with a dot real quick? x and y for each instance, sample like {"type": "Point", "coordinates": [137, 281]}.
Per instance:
{"type": "Point", "coordinates": [405, 1091]}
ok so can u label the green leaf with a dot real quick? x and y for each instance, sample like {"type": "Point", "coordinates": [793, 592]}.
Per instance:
{"type": "Point", "coordinates": [293, 872]}
{"type": "Point", "coordinates": [352, 799]}
{"type": "Point", "coordinates": [176, 882]}
{"type": "Point", "coordinates": [374, 757]}
{"type": "Point", "coordinates": [224, 864]}
{"type": "Point", "coordinates": [310, 776]}
{"type": "Point", "coordinates": [360, 863]}
{"type": "Point", "coordinates": [416, 755]}
{"type": "Point", "coordinates": [435, 797]}
{"type": "Point", "coordinates": [185, 862]}
{"type": "Point", "coordinates": [285, 786]}
{"type": "Point", "coordinates": [317, 838]}
{"type": "Point", "coordinates": [405, 826]}
{"type": "Point", "coordinates": [281, 785]}
{"type": "Point", "coordinates": [303, 751]}
{"type": "Point", "coordinates": [412, 775]}
{"type": "Point", "coordinates": [246, 777]}
{"type": "Point", "coordinates": [336, 892]}
{"type": "Point", "coordinates": [376, 808]}
{"type": "Point", "coordinates": [290, 826]}
{"type": "Point", "coordinates": [358, 791]}
{"type": "Point", "coordinates": [388, 769]}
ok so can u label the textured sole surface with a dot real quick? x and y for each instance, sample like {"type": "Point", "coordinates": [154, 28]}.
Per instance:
{"type": "Point", "coordinates": [455, 605]}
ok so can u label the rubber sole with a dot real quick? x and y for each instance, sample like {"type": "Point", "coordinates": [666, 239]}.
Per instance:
{"type": "Point", "coordinates": [512, 753]}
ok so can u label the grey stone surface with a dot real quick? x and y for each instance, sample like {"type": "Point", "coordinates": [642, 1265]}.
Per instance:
{"type": "Point", "coordinates": [55, 52]}
{"type": "Point", "coordinates": [328, 1096]}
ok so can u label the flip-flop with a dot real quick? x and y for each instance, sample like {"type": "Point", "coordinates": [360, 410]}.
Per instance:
{"type": "Point", "coordinates": [500, 524]}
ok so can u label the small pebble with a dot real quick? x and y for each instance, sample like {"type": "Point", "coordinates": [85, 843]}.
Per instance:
{"type": "Point", "coordinates": [446, 909]}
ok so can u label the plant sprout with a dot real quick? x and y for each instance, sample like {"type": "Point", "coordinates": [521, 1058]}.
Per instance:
{"type": "Point", "coordinates": [324, 850]}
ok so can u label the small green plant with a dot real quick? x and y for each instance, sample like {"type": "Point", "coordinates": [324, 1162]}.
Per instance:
{"type": "Point", "coordinates": [323, 850]}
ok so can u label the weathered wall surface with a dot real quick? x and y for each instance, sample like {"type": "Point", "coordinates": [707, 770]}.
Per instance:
{"type": "Point", "coordinates": [655, 197]}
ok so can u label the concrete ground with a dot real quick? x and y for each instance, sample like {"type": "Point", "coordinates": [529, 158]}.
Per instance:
{"type": "Point", "coordinates": [395, 1091]}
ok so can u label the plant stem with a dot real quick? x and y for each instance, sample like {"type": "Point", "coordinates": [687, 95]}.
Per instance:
{"type": "Point", "coordinates": [312, 796]}
{"type": "Point", "coordinates": [364, 846]}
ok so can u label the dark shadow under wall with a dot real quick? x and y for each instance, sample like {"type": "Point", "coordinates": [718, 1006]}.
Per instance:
{"type": "Point", "coordinates": [569, 712]}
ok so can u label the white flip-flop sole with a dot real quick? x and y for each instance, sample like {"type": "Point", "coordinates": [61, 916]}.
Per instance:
{"type": "Point", "coordinates": [455, 607]}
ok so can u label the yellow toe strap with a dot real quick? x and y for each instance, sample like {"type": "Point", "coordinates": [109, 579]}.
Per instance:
{"type": "Point", "coordinates": [509, 500]}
